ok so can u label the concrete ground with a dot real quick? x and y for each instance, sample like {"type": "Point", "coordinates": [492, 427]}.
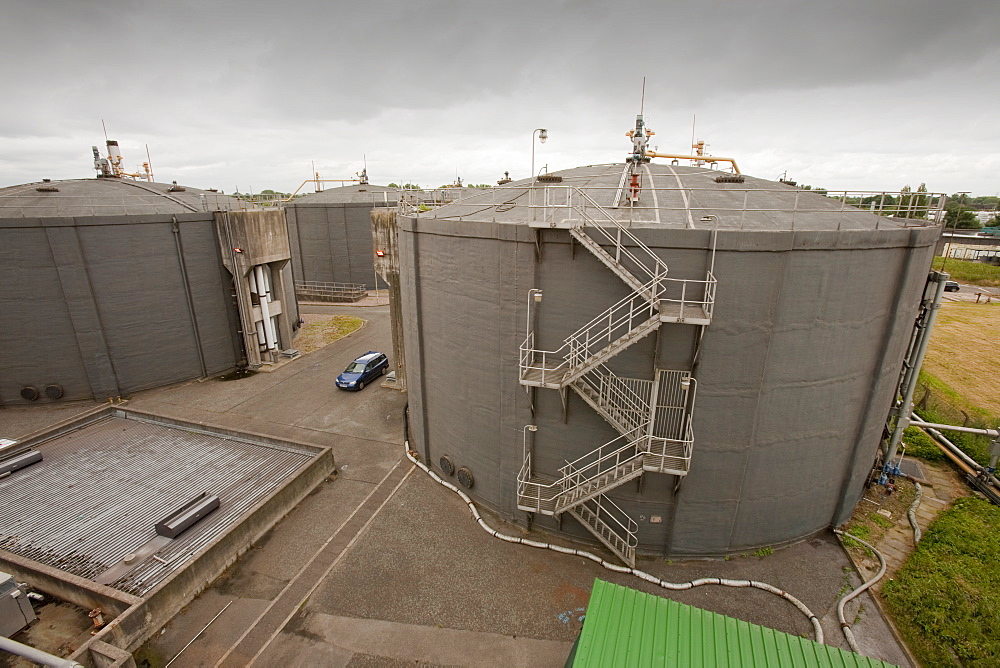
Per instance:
{"type": "Point", "coordinates": [972, 293]}
{"type": "Point", "coordinates": [383, 567]}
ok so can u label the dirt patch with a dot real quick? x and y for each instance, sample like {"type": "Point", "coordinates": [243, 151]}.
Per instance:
{"type": "Point", "coordinates": [963, 352]}
{"type": "Point", "coordinates": [320, 330]}
{"type": "Point", "coordinates": [871, 526]}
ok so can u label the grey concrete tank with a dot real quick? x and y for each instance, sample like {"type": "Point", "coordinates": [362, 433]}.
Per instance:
{"type": "Point", "coordinates": [112, 286]}
{"type": "Point", "coordinates": [813, 307]}
{"type": "Point", "coordinates": [331, 236]}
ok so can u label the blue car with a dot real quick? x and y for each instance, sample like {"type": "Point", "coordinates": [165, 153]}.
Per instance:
{"type": "Point", "coordinates": [363, 370]}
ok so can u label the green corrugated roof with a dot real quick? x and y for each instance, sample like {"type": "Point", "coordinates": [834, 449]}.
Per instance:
{"type": "Point", "coordinates": [626, 627]}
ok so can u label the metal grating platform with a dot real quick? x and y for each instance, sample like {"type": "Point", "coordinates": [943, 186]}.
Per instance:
{"type": "Point", "coordinates": [101, 487]}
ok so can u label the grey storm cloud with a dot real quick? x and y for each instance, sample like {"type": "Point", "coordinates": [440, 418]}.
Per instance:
{"type": "Point", "coordinates": [316, 79]}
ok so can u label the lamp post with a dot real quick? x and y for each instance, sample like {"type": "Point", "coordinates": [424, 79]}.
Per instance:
{"type": "Point", "coordinates": [954, 228]}
{"type": "Point", "coordinates": [524, 439]}
{"type": "Point", "coordinates": [534, 295]}
{"type": "Point", "coordinates": [543, 134]}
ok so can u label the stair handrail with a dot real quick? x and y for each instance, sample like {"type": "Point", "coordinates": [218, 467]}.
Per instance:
{"type": "Point", "coordinates": [613, 512]}
{"type": "Point", "coordinates": [601, 459]}
{"type": "Point", "coordinates": [618, 320]}
{"type": "Point", "coordinates": [529, 358]}
{"type": "Point", "coordinates": [661, 266]}
{"type": "Point", "coordinates": [606, 384]}
{"type": "Point", "coordinates": [707, 302]}
{"type": "Point", "coordinates": [570, 479]}
{"type": "Point", "coordinates": [524, 483]}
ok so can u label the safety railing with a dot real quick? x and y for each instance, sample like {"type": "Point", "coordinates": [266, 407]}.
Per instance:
{"type": "Point", "coordinates": [333, 292]}
{"type": "Point", "coordinates": [617, 322]}
{"type": "Point", "coordinates": [551, 203]}
{"type": "Point", "coordinates": [602, 469]}
{"type": "Point", "coordinates": [625, 400]}
{"type": "Point", "coordinates": [617, 235]}
{"type": "Point", "coordinates": [543, 367]}
{"type": "Point", "coordinates": [697, 297]}
{"type": "Point", "coordinates": [610, 522]}
{"type": "Point", "coordinates": [670, 455]}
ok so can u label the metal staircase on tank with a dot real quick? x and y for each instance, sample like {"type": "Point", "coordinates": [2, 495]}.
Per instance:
{"type": "Point", "coordinates": [653, 417]}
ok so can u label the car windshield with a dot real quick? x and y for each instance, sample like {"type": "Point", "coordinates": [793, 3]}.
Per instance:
{"type": "Point", "coordinates": [355, 367]}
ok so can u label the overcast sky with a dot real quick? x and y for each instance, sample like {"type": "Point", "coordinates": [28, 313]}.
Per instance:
{"type": "Point", "coordinates": [842, 94]}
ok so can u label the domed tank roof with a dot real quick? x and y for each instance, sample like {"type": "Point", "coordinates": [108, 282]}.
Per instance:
{"type": "Point", "coordinates": [671, 196]}
{"type": "Point", "coordinates": [356, 192]}
{"type": "Point", "coordinates": [109, 197]}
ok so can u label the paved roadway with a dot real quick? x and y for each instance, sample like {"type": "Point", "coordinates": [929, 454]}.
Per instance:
{"type": "Point", "coordinates": [383, 567]}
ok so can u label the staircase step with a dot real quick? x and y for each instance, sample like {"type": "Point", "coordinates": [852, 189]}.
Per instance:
{"type": "Point", "coordinates": [617, 544]}
{"type": "Point", "coordinates": [620, 475]}
{"type": "Point", "coordinates": [607, 259]}
{"type": "Point", "coordinates": [612, 349]}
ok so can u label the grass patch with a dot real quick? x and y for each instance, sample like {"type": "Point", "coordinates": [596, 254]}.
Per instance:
{"type": "Point", "coordinates": [318, 333]}
{"type": "Point", "coordinates": [976, 273]}
{"type": "Point", "coordinates": [763, 552]}
{"type": "Point", "coordinates": [862, 531]}
{"type": "Point", "coordinates": [919, 444]}
{"type": "Point", "coordinates": [946, 599]}
{"type": "Point", "coordinates": [963, 357]}
{"type": "Point", "coordinates": [943, 405]}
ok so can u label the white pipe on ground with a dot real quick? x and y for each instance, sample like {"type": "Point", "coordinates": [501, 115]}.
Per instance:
{"type": "Point", "coordinates": [857, 592]}
{"type": "Point", "coordinates": [673, 586]}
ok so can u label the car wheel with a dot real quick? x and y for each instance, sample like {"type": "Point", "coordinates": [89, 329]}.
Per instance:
{"type": "Point", "coordinates": [385, 369]}
{"type": "Point", "coordinates": [361, 385]}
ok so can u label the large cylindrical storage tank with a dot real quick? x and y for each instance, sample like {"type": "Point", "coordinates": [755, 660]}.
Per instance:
{"type": "Point", "coordinates": [113, 286]}
{"type": "Point", "coordinates": [331, 236]}
{"type": "Point", "coordinates": [788, 369]}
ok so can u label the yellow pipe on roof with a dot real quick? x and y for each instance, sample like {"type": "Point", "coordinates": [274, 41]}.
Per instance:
{"type": "Point", "coordinates": [703, 158]}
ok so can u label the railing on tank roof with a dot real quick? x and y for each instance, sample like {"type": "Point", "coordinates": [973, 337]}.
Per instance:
{"type": "Point", "coordinates": [546, 201]}
{"type": "Point", "coordinates": [103, 204]}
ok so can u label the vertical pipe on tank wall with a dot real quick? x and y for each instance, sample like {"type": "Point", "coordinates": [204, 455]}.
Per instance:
{"type": "Point", "coordinates": [265, 312]}
{"type": "Point", "coordinates": [906, 406]}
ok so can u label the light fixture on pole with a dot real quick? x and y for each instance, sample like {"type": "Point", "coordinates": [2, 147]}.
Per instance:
{"type": "Point", "coordinates": [543, 134]}
{"type": "Point", "coordinates": [524, 439]}
{"type": "Point", "coordinates": [534, 294]}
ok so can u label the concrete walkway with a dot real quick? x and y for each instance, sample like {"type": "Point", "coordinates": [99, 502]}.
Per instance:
{"type": "Point", "coordinates": [382, 566]}
{"type": "Point", "coordinates": [941, 486]}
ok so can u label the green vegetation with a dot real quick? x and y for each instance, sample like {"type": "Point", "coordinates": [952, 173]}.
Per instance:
{"type": "Point", "coordinates": [763, 552]}
{"type": "Point", "coordinates": [862, 531]}
{"type": "Point", "coordinates": [941, 404]}
{"type": "Point", "coordinates": [405, 186]}
{"type": "Point", "coordinates": [316, 334]}
{"type": "Point", "coordinates": [976, 273]}
{"type": "Point", "coordinates": [946, 599]}
{"type": "Point", "coordinates": [919, 444]}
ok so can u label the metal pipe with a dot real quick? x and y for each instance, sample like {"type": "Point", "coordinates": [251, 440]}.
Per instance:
{"type": "Point", "coordinates": [36, 655]}
{"type": "Point", "coordinates": [703, 158]}
{"type": "Point", "coordinates": [845, 627]}
{"type": "Point", "coordinates": [906, 406]}
{"type": "Point", "coordinates": [672, 586]}
{"type": "Point", "coordinates": [949, 427]}
{"type": "Point", "coordinates": [265, 312]}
